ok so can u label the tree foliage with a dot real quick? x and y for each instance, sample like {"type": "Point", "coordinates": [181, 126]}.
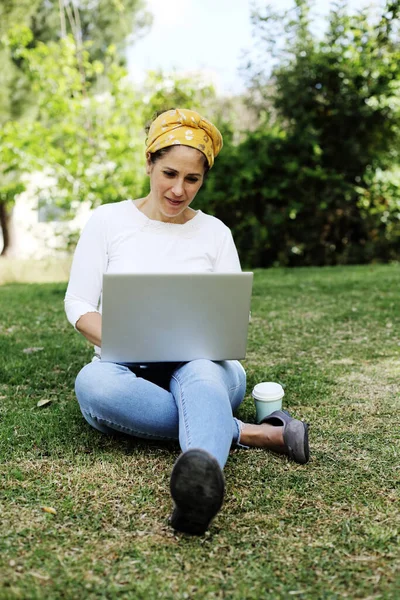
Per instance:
{"type": "Point", "coordinates": [162, 92]}
{"type": "Point", "coordinates": [64, 105]}
{"type": "Point", "coordinates": [308, 186]}
{"type": "Point", "coordinates": [14, 91]}
{"type": "Point", "coordinates": [102, 22]}
{"type": "Point", "coordinates": [316, 182]}
{"type": "Point", "coordinates": [89, 144]}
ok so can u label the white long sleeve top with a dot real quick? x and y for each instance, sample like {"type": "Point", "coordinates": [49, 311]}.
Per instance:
{"type": "Point", "coordinates": [119, 238]}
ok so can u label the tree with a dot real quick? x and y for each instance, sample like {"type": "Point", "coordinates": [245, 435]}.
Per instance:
{"type": "Point", "coordinates": [102, 22]}
{"type": "Point", "coordinates": [162, 92]}
{"type": "Point", "coordinates": [21, 96]}
{"type": "Point", "coordinates": [89, 144]}
{"type": "Point", "coordinates": [14, 102]}
{"type": "Point", "coordinates": [13, 98]}
{"type": "Point", "coordinates": [308, 178]}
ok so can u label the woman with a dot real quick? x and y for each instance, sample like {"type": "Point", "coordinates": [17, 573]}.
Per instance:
{"type": "Point", "coordinates": [193, 401]}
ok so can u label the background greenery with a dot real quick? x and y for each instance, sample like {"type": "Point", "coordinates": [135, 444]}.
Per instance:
{"type": "Point", "coordinates": [327, 530]}
{"type": "Point", "coordinates": [309, 174]}
{"type": "Point", "coordinates": [317, 181]}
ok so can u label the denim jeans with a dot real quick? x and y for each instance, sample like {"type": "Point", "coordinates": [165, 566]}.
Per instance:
{"type": "Point", "coordinates": [192, 402]}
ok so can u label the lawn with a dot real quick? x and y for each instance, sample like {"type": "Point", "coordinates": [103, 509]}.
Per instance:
{"type": "Point", "coordinates": [328, 530]}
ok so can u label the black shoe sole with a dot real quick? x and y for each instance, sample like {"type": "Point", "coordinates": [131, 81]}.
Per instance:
{"type": "Point", "coordinates": [197, 488]}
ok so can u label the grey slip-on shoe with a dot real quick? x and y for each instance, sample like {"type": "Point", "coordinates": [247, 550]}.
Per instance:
{"type": "Point", "coordinates": [295, 435]}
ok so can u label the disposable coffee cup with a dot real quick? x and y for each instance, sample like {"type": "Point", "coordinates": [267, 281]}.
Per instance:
{"type": "Point", "coordinates": [267, 398]}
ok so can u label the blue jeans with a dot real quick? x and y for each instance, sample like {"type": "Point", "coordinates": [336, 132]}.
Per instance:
{"type": "Point", "coordinates": [192, 402]}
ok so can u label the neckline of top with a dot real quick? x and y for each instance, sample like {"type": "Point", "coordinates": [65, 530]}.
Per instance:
{"type": "Point", "coordinates": [163, 224]}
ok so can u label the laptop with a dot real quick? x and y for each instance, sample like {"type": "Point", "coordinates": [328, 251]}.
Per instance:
{"type": "Point", "coordinates": [175, 317]}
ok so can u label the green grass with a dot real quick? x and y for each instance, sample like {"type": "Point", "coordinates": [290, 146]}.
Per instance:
{"type": "Point", "coordinates": [329, 529]}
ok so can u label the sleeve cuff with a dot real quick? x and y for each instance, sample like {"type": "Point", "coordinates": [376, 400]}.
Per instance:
{"type": "Point", "coordinates": [75, 310]}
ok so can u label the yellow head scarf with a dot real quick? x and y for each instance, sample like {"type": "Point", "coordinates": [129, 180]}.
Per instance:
{"type": "Point", "coordinates": [186, 127]}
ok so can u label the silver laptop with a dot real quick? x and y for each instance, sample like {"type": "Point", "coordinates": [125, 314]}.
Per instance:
{"type": "Point", "coordinates": [175, 317]}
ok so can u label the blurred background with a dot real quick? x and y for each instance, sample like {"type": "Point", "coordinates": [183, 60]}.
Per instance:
{"type": "Point", "coordinates": [306, 94]}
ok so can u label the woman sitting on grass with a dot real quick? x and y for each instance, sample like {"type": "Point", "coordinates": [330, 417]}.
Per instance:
{"type": "Point", "coordinates": [192, 402]}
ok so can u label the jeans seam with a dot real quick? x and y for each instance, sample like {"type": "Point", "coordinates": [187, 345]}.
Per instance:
{"type": "Point", "coordinates": [184, 411]}
{"type": "Point", "coordinates": [235, 387]}
{"type": "Point", "coordinates": [136, 432]}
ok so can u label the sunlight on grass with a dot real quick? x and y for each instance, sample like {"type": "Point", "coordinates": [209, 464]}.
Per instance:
{"type": "Point", "coordinates": [14, 270]}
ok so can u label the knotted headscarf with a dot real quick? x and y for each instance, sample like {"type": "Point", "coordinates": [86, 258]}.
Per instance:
{"type": "Point", "coordinates": [186, 127]}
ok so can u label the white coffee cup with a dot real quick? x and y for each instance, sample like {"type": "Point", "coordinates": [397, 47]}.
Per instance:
{"type": "Point", "coordinates": [267, 398]}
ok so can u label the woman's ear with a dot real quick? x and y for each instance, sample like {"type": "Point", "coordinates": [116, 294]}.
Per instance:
{"type": "Point", "coordinates": [149, 164]}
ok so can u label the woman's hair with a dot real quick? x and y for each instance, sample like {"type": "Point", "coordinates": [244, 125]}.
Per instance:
{"type": "Point", "coordinates": [155, 156]}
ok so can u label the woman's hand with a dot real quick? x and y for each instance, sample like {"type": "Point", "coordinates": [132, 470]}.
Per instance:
{"type": "Point", "coordinates": [89, 325]}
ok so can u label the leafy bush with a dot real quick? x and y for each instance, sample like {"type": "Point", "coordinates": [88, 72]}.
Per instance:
{"type": "Point", "coordinates": [314, 184]}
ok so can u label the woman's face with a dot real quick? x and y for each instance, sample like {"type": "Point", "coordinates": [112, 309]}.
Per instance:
{"type": "Point", "coordinates": [175, 179]}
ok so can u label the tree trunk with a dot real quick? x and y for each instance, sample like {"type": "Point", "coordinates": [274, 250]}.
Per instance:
{"type": "Point", "coordinates": [7, 230]}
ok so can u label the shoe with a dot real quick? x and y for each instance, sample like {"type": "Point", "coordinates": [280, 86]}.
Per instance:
{"type": "Point", "coordinates": [197, 488]}
{"type": "Point", "coordinates": [295, 435]}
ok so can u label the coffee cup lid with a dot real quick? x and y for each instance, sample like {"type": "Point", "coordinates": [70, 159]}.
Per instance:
{"type": "Point", "coordinates": [268, 390]}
